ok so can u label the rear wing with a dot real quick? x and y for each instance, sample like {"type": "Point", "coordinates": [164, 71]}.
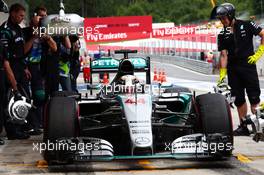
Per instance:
{"type": "Point", "coordinates": [111, 65]}
{"type": "Point", "coordinates": [125, 52]}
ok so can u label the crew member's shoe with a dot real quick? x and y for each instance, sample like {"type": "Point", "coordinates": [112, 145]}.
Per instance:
{"type": "Point", "coordinates": [34, 132]}
{"type": "Point", "coordinates": [18, 135]}
{"type": "Point", "coordinates": [2, 142]}
{"type": "Point", "coordinates": [242, 130]}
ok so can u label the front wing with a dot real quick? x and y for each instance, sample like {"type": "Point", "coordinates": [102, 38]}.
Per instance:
{"type": "Point", "coordinates": [195, 146]}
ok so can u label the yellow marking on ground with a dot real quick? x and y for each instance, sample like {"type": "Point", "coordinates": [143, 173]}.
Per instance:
{"type": "Point", "coordinates": [243, 158]}
{"type": "Point", "coordinates": [149, 167]}
{"type": "Point", "coordinates": [255, 157]}
{"type": "Point", "coordinates": [146, 164]}
{"type": "Point", "coordinates": [42, 164]}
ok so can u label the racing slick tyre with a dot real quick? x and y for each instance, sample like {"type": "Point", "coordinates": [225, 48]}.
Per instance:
{"type": "Point", "coordinates": [60, 122]}
{"type": "Point", "coordinates": [216, 121]}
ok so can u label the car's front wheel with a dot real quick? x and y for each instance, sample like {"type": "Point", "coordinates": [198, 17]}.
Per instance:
{"type": "Point", "coordinates": [215, 118]}
{"type": "Point", "coordinates": [60, 122]}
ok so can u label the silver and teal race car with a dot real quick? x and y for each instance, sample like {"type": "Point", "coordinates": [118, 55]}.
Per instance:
{"type": "Point", "coordinates": [130, 118]}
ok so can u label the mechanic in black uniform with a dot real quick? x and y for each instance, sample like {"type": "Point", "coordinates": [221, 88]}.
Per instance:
{"type": "Point", "coordinates": [238, 60]}
{"type": "Point", "coordinates": [13, 42]}
{"type": "Point", "coordinates": [5, 71]}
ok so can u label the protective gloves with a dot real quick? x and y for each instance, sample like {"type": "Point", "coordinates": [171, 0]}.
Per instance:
{"type": "Point", "coordinates": [223, 73]}
{"type": "Point", "coordinates": [254, 58]}
{"type": "Point", "coordinates": [261, 106]}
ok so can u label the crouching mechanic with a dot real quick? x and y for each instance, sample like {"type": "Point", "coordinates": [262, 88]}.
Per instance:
{"type": "Point", "coordinates": [238, 60]}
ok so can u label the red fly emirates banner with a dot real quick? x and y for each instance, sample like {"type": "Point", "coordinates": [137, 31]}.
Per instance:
{"type": "Point", "coordinates": [109, 29]}
{"type": "Point", "coordinates": [173, 31]}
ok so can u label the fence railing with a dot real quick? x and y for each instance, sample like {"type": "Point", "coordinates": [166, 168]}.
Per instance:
{"type": "Point", "coordinates": [192, 64]}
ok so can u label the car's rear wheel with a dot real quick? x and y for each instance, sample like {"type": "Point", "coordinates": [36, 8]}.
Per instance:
{"type": "Point", "coordinates": [215, 117]}
{"type": "Point", "coordinates": [60, 122]}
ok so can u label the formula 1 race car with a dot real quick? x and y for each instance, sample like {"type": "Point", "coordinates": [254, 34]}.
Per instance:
{"type": "Point", "coordinates": [128, 119]}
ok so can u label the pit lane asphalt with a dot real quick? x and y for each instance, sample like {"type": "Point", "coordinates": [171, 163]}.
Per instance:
{"type": "Point", "coordinates": [182, 73]}
{"type": "Point", "coordinates": [18, 157]}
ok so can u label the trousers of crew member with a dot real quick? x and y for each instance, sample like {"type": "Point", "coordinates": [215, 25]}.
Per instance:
{"type": "Point", "coordinates": [74, 61]}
